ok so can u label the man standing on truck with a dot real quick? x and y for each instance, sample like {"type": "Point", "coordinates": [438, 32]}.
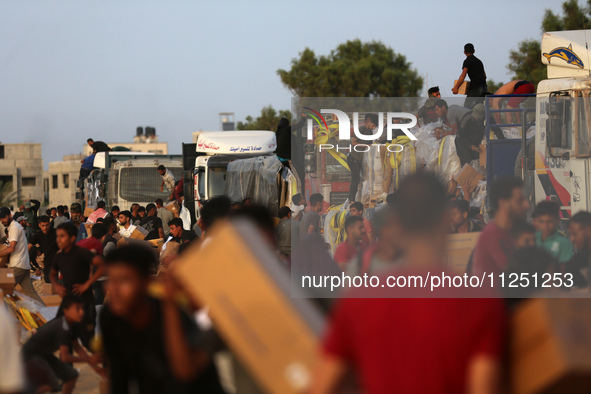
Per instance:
{"type": "Point", "coordinates": [475, 70]}
{"type": "Point", "coordinates": [167, 180]}
{"type": "Point", "coordinates": [98, 146]}
{"type": "Point", "coordinates": [518, 86]}
{"type": "Point", "coordinates": [427, 112]}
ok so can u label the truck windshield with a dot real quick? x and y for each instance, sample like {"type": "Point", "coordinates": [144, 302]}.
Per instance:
{"type": "Point", "coordinates": [216, 181]}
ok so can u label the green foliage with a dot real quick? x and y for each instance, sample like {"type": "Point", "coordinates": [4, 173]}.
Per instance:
{"type": "Point", "coordinates": [353, 69]}
{"type": "Point", "coordinates": [7, 196]}
{"type": "Point", "coordinates": [268, 120]}
{"type": "Point", "coordinates": [493, 86]}
{"type": "Point", "coordinates": [525, 61]}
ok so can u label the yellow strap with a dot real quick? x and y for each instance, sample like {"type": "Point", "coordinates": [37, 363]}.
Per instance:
{"type": "Point", "coordinates": [322, 137]}
{"type": "Point", "coordinates": [396, 157]}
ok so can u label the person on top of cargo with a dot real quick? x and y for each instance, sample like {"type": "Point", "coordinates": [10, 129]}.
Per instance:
{"type": "Point", "coordinates": [98, 146]}
{"type": "Point", "coordinates": [427, 112]}
{"type": "Point", "coordinates": [87, 166]}
{"type": "Point", "coordinates": [496, 245]}
{"type": "Point", "coordinates": [365, 334]}
{"type": "Point", "coordinates": [167, 180]}
{"type": "Point", "coordinates": [470, 134]}
{"type": "Point", "coordinates": [474, 68]}
{"type": "Point", "coordinates": [518, 86]}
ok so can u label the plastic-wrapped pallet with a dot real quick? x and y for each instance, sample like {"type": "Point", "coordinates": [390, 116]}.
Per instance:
{"type": "Point", "coordinates": [399, 165]}
{"type": "Point", "coordinates": [444, 161]}
{"type": "Point", "coordinates": [372, 173]}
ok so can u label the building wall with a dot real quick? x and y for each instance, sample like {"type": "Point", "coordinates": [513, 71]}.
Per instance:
{"type": "Point", "coordinates": [22, 164]}
{"type": "Point", "coordinates": [62, 177]}
{"type": "Point", "coordinates": [159, 148]}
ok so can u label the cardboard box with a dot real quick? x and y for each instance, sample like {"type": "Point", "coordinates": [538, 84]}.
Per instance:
{"type": "Point", "coordinates": [482, 156]}
{"type": "Point", "coordinates": [88, 211]}
{"type": "Point", "coordinates": [464, 87]}
{"type": "Point", "coordinates": [249, 297]}
{"type": "Point", "coordinates": [550, 342]}
{"type": "Point", "coordinates": [468, 178]}
{"type": "Point", "coordinates": [5, 259]}
{"type": "Point", "coordinates": [174, 207]}
{"type": "Point", "coordinates": [157, 243]}
{"type": "Point", "coordinates": [459, 250]}
{"type": "Point", "coordinates": [48, 289]}
{"type": "Point", "coordinates": [139, 233]}
{"type": "Point", "coordinates": [52, 300]}
{"type": "Point", "coordinates": [7, 280]}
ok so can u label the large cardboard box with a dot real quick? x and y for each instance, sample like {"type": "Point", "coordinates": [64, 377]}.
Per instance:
{"type": "Point", "coordinates": [248, 294]}
{"type": "Point", "coordinates": [5, 259]}
{"type": "Point", "coordinates": [139, 233]}
{"type": "Point", "coordinates": [464, 87]}
{"type": "Point", "coordinates": [468, 178]}
{"type": "Point", "coordinates": [7, 280]}
{"type": "Point", "coordinates": [174, 207]}
{"type": "Point", "coordinates": [88, 211]}
{"type": "Point", "coordinates": [52, 300]}
{"type": "Point", "coordinates": [459, 250]}
{"type": "Point", "coordinates": [550, 346]}
{"type": "Point", "coordinates": [48, 289]}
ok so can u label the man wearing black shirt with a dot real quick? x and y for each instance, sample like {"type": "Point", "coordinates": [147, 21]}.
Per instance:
{"type": "Point", "coordinates": [98, 146]}
{"type": "Point", "coordinates": [178, 234]}
{"type": "Point", "coordinates": [74, 263]}
{"type": "Point", "coordinates": [152, 223]}
{"type": "Point", "coordinates": [475, 70]}
{"type": "Point", "coordinates": [46, 239]}
{"type": "Point", "coordinates": [150, 344]}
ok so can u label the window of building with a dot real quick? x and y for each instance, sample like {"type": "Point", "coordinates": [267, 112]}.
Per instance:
{"type": "Point", "coordinates": [54, 181]}
{"type": "Point", "coordinates": [1, 151]}
{"type": "Point", "coordinates": [66, 179]}
{"type": "Point", "coordinates": [29, 181]}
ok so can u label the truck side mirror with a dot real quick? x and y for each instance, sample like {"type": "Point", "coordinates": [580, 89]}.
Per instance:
{"type": "Point", "coordinates": [558, 111]}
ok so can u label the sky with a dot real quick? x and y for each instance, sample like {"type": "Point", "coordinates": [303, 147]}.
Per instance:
{"type": "Point", "coordinates": [70, 70]}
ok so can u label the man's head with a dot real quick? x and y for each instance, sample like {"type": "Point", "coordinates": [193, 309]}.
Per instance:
{"type": "Point", "coordinates": [547, 216]}
{"type": "Point", "coordinates": [53, 212]}
{"type": "Point", "coordinates": [99, 230]}
{"type": "Point", "coordinates": [176, 227]}
{"type": "Point", "coordinates": [100, 205]}
{"type": "Point", "coordinates": [371, 121]}
{"type": "Point", "coordinates": [90, 142]}
{"type": "Point", "coordinates": [66, 234]}
{"type": "Point", "coordinates": [20, 219]}
{"type": "Point", "coordinates": [159, 203]}
{"type": "Point", "coordinates": [44, 224]}
{"type": "Point", "coordinates": [5, 216]}
{"type": "Point", "coordinates": [151, 210]}
{"type": "Point", "coordinates": [128, 270]}
{"type": "Point", "coordinates": [441, 108]}
{"type": "Point", "coordinates": [110, 225]}
{"type": "Point", "coordinates": [213, 210]}
{"type": "Point", "coordinates": [115, 211]}
{"type": "Point", "coordinates": [316, 202]}
{"type": "Point", "coordinates": [468, 49]}
{"type": "Point", "coordinates": [28, 206]}
{"type": "Point", "coordinates": [247, 202]}
{"type": "Point", "coordinates": [284, 213]}
{"type": "Point", "coordinates": [354, 228]}
{"type": "Point", "coordinates": [60, 210]}
{"type": "Point", "coordinates": [508, 199]}
{"type": "Point", "coordinates": [524, 234]}
{"type": "Point", "coordinates": [161, 169]}
{"type": "Point", "coordinates": [142, 212]}
{"type": "Point", "coordinates": [134, 208]}
{"type": "Point", "coordinates": [434, 92]}
{"type": "Point", "coordinates": [76, 212]}
{"type": "Point", "coordinates": [124, 218]}
{"type": "Point", "coordinates": [298, 199]}
{"type": "Point", "coordinates": [73, 308]}
{"type": "Point", "coordinates": [579, 230]}
{"type": "Point", "coordinates": [459, 210]}
{"type": "Point", "coordinates": [356, 209]}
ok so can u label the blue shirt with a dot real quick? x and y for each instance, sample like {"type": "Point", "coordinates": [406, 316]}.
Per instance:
{"type": "Point", "coordinates": [88, 163]}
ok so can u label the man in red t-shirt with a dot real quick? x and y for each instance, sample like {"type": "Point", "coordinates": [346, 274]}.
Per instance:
{"type": "Point", "coordinates": [420, 345]}
{"type": "Point", "coordinates": [352, 245]}
{"type": "Point", "coordinates": [495, 244]}
{"type": "Point", "coordinates": [357, 210]}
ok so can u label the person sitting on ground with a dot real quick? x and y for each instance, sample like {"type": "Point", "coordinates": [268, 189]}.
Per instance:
{"type": "Point", "coordinates": [353, 243]}
{"type": "Point", "coordinates": [357, 210]}
{"type": "Point", "coordinates": [460, 223]}
{"type": "Point", "coordinates": [127, 228]}
{"type": "Point", "coordinates": [58, 335]}
{"type": "Point", "coordinates": [547, 214]}
{"type": "Point", "coordinates": [98, 146]}
{"type": "Point", "coordinates": [167, 180]}
{"type": "Point", "coordinates": [518, 86]}
{"type": "Point", "coordinates": [524, 234]}
{"type": "Point", "coordinates": [427, 113]}
{"type": "Point", "coordinates": [173, 358]}
{"type": "Point", "coordinates": [152, 223]}
{"type": "Point", "coordinates": [99, 213]}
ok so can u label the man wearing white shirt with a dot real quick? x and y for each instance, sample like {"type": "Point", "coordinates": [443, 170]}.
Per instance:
{"type": "Point", "coordinates": [126, 227]}
{"type": "Point", "coordinates": [19, 254]}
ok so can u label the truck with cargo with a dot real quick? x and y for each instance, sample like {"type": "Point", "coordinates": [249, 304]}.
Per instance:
{"type": "Point", "coordinates": [124, 178]}
{"type": "Point", "coordinates": [237, 164]}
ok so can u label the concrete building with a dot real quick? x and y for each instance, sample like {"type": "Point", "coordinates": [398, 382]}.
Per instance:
{"type": "Point", "coordinates": [22, 166]}
{"type": "Point", "coordinates": [60, 181]}
{"type": "Point", "coordinates": [145, 140]}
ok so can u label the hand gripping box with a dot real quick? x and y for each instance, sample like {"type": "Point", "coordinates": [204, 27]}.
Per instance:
{"type": "Point", "coordinates": [247, 292]}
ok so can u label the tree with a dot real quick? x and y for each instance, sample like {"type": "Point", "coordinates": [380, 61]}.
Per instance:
{"type": "Point", "coordinates": [525, 61]}
{"type": "Point", "coordinates": [268, 120]}
{"type": "Point", "coordinates": [353, 69]}
{"type": "Point", "coordinates": [7, 196]}
{"type": "Point", "coordinates": [493, 86]}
